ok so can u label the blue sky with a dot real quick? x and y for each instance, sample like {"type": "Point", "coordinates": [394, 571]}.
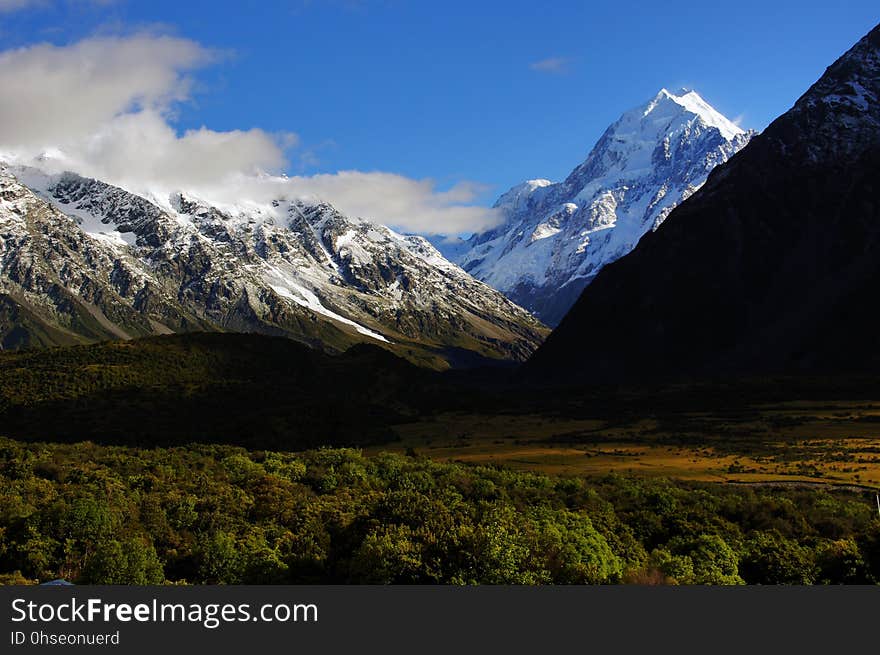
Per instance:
{"type": "Point", "coordinates": [486, 92]}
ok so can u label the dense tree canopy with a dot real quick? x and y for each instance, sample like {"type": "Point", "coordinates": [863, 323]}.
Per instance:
{"type": "Point", "coordinates": [221, 514]}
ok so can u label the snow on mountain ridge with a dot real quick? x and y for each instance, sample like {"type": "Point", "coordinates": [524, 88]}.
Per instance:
{"type": "Point", "coordinates": [292, 267]}
{"type": "Point", "coordinates": [694, 103]}
{"type": "Point", "coordinates": [556, 237]}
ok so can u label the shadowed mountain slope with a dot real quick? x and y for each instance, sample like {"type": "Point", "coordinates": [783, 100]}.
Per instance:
{"type": "Point", "coordinates": [773, 266]}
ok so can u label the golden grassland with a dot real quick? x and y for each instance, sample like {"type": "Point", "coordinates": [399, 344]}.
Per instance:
{"type": "Point", "coordinates": [829, 442]}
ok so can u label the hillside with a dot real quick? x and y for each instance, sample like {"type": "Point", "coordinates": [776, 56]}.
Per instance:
{"type": "Point", "coordinates": [217, 388]}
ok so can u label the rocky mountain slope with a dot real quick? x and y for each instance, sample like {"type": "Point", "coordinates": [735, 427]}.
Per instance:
{"type": "Point", "coordinates": [773, 266]}
{"type": "Point", "coordinates": [557, 237]}
{"type": "Point", "coordinates": [81, 260]}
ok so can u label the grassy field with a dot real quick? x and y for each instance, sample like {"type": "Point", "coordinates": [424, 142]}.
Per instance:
{"type": "Point", "coordinates": [835, 442]}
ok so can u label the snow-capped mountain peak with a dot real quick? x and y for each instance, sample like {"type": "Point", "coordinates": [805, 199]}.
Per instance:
{"type": "Point", "coordinates": [772, 268]}
{"type": "Point", "coordinates": [513, 199]}
{"type": "Point", "coordinates": [693, 102]}
{"type": "Point", "coordinates": [88, 260]}
{"type": "Point", "coordinates": [556, 237]}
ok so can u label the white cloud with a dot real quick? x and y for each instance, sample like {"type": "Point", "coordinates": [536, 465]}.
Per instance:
{"type": "Point", "coordinates": [54, 96]}
{"type": "Point", "coordinates": [141, 150]}
{"type": "Point", "coordinates": [104, 107]}
{"type": "Point", "coordinates": [396, 200]}
{"type": "Point", "coordinates": [551, 65]}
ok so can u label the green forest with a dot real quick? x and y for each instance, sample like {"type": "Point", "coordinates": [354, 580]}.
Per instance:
{"type": "Point", "coordinates": [201, 514]}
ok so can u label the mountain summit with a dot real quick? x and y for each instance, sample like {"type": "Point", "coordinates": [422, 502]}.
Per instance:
{"type": "Point", "coordinates": [773, 266]}
{"type": "Point", "coordinates": [556, 237]}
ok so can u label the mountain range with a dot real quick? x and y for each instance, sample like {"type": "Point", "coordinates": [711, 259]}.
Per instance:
{"type": "Point", "coordinates": [82, 260]}
{"type": "Point", "coordinates": [689, 247]}
{"type": "Point", "coordinates": [555, 238]}
{"type": "Point", "coordinates": [773, 266]}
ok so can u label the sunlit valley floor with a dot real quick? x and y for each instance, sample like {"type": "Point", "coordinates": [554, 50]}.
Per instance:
{"type": "Point", "coordinates": [828, 442]}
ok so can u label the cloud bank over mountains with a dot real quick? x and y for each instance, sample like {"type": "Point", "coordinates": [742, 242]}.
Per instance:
{"type": "Point", "coordinates": [105, 107]}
